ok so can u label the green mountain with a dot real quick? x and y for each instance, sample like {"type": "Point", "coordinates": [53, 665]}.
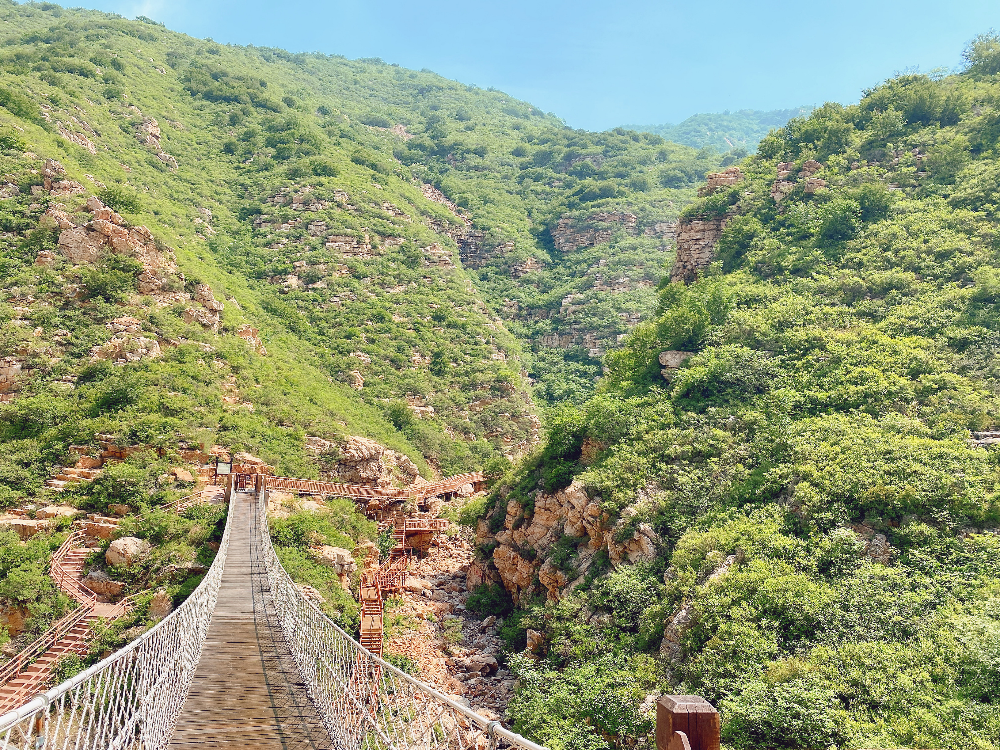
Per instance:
{"type": "Point", "coordinates": [780, 495]}
{"type": "Point", "coordinates": [305, 191]}
{"type": "Point", "coordinates": [783, 495]}
{"type": "Point", "coordinates": [725, 131]}
{"type": "Point", "coordinates": [206, 245]}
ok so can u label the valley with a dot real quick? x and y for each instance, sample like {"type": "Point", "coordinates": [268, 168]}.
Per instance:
{"type": "Point", "coordinates": [718, 423]}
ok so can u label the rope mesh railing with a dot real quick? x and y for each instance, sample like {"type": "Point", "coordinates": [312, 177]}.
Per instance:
{"type": "Point", "coordinates": [132, 698]}
{"type": "Point", "coordinates": [366, 703]}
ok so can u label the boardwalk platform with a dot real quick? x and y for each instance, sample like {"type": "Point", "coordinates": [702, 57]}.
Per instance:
{"type": "Point", "coordinates": [247, 691]}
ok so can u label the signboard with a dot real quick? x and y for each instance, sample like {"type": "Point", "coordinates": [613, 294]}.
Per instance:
{"type": "Point", "coordinates": [223, 467]}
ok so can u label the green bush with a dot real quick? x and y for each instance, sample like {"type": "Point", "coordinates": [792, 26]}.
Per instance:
{"type": "Point", "coordinates": [121, 198]}
{"type": "Point", "coordinates": [490, 599]}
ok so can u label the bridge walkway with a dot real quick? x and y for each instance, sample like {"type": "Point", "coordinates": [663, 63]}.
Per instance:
{"type": "Point", "coordinates": [247, 691]}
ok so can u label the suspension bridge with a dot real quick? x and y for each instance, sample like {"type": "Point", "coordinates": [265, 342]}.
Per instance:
{"type": "Point", "coordinates": [248, 661]}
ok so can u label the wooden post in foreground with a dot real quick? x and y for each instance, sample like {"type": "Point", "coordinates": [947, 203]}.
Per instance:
{"type": "Point", "coordinates": [686, 722]}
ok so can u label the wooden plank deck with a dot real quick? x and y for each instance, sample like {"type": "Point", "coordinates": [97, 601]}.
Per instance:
{"type": "Point", "coordinates": [247, 691]}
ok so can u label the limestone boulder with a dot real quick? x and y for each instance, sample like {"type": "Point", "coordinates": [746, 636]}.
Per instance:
{"type": "Point", "coordinates": [536, 641]}
{"type": "Point", "coordinates": [56, 511]}
{"type": "Point", "coordinates": [102, 530]}
{"type": "Point", "coordinates": [483, 664]}
{"type": "Point", "coordinates": [161, 605]}
{"type": "Point", "coordinates": [127, 551]}
{"type": "Point", "coordinates": [14, 619]}
{"type": "Point", "coordinates": [339, 560]}
{"type": "Point", "coordinates": [671, 361]}
{"type": "Point", "coordinates": [101, 584]}
{"type": "Point", "coordinates": [182, 475]}
{"type": "Point", "coordinates": [25, 528]}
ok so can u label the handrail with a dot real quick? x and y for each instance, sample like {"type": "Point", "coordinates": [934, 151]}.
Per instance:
{"type": "Point", "coordinates": [64, 579]}
{"type": "Point", "coordinates": [338, 489]}
{"type": "Point", "coordinates": [43, 643]}
{"type": "Point", "coordinates": [179, 506]}
{"type": "Point", "coordinates": [132, 698]}
{"type": "Point", "coordinates": [364, 700]}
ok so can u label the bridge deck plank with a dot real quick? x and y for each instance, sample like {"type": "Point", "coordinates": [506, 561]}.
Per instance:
{"type": "Point", "coordinates": [247, 691]}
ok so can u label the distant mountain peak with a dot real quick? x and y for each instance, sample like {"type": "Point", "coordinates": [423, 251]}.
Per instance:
{"type": "Point", "coordinates": [725, 131]}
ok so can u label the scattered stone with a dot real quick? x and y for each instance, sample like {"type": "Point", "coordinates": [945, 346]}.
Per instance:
{"type": "Point", "coordinates": [100, 583]}
{"type": "Point", "coordinates": [536, 641]}
{"type": "Point", "coordinates": [161, 605]}
{"type": "Point", "coordinates": [56, 511]}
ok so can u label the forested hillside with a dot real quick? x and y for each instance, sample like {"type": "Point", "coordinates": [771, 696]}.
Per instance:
{"type": "Point", "coordinates": [725, 131]}
{"type": "Point", "coordinates": [303, 191]}
{"type": "Point", "coordinates": [782, 497]}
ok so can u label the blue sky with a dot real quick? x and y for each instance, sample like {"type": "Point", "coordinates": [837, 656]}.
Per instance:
{"type": "Point", "coordinates": [598, 65]}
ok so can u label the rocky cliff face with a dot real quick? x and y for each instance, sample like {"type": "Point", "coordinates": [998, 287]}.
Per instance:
{"type": "Point", "coordinates": [362, 461]}
{"type": "Point", "coordinates": [698, 236]}
{"type": "Point", "coordinates": [696, 241]}
{"type": "Point", "coordinates": [530, 558]}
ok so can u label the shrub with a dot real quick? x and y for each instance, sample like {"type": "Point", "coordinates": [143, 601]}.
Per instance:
{"type": "Point", "coordinates": [121, 199]}
{"type": "Point", "coordinates": [800, 713]}
{"type": "Point", "coordinates": [490, 599]}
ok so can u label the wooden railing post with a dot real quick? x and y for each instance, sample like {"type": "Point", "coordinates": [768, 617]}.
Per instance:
{"type": "Point", "coordinates": [686, 722]}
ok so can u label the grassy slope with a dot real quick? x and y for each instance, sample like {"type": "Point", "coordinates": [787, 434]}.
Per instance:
{"type": "Point", "coordinates": [845, 347]}
{"type": "Point", "coordinates": [247, 125]}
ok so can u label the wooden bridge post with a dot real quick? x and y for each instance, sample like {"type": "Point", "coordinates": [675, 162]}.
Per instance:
{"type": "Point", "coordinates": [686, 722]}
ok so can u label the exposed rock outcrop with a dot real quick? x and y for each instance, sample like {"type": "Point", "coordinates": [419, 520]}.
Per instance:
{"type": "Point", "coordinates": [252, 336]}
{"type": "Point", "coordinates": [718, 180]}
{"type": "Point", "coordinates": [524, 544]}
{"type": "Point", "coordinates": [108, 232]}
{"type": "Point", "coordinates": [696, 242]}
{"type": "Point", "coordinates": [339, 560]}
{"type": "Point", "coordinates": [10, 372]}
{"type": "Point", "coordinates": [671, 361]}
{"type": "Point", "coordinates": [14, 618]}
{"type": "Point", "coordinates": [571, 234]}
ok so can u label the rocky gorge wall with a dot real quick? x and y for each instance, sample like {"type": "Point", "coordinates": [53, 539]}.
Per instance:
{"type": "Point", "coordinates": [698, 236]}
{"type": "Point", "coordinates": [529, 557]}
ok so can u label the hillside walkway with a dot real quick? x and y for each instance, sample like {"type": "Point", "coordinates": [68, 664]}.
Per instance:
{"type": "Point", "coordinates": [247, 691]}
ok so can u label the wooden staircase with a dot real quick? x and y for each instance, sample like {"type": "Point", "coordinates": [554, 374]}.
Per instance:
{"type": "Point", "coordinates": [28, 673]}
